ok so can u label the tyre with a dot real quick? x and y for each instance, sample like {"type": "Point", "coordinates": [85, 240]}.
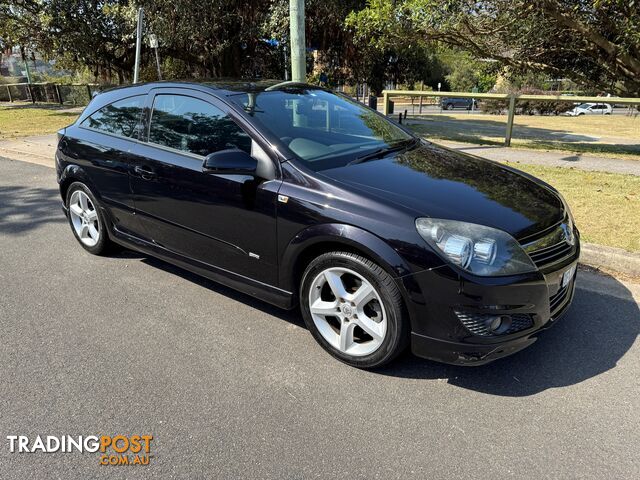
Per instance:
{"type": "Point", "coordinates": [354, 309]}
{"type": "Point", "coordinates": [86, 219]}
{"type": "Point", "coordinates": [449, 106]}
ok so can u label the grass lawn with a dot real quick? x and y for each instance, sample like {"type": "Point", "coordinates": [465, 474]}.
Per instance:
{"type": "Point", "coordinates": [615, 136]}
{"type": "Point", "coordinates": [20, 121]}
{"type": "Point", "coordinates": [619, 126]}
{"type": "Point", "coordinates": [606, 206]}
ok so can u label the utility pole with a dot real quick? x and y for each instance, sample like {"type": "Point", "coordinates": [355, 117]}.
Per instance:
{"type": "Point", "coordinates": [136, 68]}
{"type": "Point", "coordinates": [23, 54]}
{"type": "Point", "coordinates": [28, 71]}
{"type": "Point", "coordinates": [286, 60]}
{"type": "Point", "coordinates": [298, 49]}
{"type": "Point", "coordinates": [153, 43]}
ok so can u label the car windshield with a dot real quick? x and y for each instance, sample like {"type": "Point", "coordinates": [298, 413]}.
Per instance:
{"type": "Point", "coordinates": [323, 129]}
{"type": "Point", "coordinates": [584, 105]}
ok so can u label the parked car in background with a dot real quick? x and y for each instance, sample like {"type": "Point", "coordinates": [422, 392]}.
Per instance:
{"type": "Point", "coordinates": [449, 103]}
{"type": "Point", "coordinates": [301, 197]}
{"type": "Point", "coordinates": [590, 109]}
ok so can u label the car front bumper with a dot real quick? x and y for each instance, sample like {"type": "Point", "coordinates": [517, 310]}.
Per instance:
{"type": "Point", "coordinates": [449, 313]}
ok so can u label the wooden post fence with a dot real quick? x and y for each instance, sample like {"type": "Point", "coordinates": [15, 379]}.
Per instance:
{"type": "Point", "coordinates": [513, 99]}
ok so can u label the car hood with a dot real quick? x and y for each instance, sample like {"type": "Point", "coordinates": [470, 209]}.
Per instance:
{"type": "Point", "coordinates": [442, 183]}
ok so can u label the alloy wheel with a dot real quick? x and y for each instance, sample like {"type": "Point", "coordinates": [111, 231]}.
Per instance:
{"type": "Point", "coordinates": [347, 311]}
{"type": "Point", "coordinates": [84, 218]}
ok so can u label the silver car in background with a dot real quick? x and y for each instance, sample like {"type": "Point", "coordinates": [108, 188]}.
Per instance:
{"type": "Point", "coordinates": [590, 109]}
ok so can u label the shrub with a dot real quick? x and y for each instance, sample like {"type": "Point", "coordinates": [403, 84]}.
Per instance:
{"type": "Point", "coordinates": [494, 107]}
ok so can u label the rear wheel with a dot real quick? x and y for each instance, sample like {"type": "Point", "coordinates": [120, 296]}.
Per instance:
{"type": "Point", "coordinates": [354, 309]}
{"type": "Point", "coordinates": [86, 219]}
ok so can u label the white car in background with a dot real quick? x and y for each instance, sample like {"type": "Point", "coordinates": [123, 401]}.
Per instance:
{"type": "Point", "coordinates": [591, 109]}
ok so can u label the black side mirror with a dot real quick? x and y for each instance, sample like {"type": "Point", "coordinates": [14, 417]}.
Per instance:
{"type": "Point", "coordinates": [231, 161]}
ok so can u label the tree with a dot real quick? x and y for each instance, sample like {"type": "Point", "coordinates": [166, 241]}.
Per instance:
{"type": "Point", "coordinates": [214, 38]}
{"type": "Point", "coordinates": [466, 72]}
{"type": "Point", "coordinates": [98, 34]}
{"type": "Point", "coordinates": [325, 33]}
{"type": "Point", "coordinates": [17, 23]}
{"type": "Point", "coordinates": [386, 55]}
{"type": "Point", "coordinates": [593, 42]}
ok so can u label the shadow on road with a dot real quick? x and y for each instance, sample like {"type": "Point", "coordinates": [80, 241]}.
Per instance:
{"type": "Point", "coordinates": [596, 332]}
{"type": "Point", "coordinates": [572, 158]}
{"type": "Point", "coordinates": [291, 316]}
{"type": "Point", "coordinates": [23, 209]}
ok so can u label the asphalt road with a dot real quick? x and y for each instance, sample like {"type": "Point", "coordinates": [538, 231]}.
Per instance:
{"type": "Point", "coordinates": [232, 388]}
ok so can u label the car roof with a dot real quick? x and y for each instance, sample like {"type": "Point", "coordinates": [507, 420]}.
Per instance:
{"type": "Point", "coordinates": [222, 86]}
{"type": "Point", "coordinates": [218, 87]}
{"type": "Point", "coordinates": [593, 104]}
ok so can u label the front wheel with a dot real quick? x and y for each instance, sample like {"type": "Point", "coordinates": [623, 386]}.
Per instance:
{"type": "Point", "coordinates": [354, 309]}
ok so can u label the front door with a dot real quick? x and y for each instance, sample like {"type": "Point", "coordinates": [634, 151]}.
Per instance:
{"type": "Point", "coordinates": [226, 221]}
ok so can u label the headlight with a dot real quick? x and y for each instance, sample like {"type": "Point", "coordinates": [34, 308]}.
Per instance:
{"type": "Point", "coordinates": [475, 248]}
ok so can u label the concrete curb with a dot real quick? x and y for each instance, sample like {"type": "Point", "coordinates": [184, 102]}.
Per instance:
{"type": "Point", "coordinates": [610, 258]}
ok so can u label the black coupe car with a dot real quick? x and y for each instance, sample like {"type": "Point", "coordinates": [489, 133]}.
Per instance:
{"type": "Point", "coordinates": [300, 196]}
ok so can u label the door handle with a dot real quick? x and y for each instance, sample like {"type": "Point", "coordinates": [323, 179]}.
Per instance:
{"type": "Point", "coordinates": [145, 172]}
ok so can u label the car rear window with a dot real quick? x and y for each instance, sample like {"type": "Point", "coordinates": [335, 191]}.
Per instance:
{"type": "Point", "coordinates": [118, 118]}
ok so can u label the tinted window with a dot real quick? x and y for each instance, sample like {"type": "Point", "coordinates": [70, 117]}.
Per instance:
{"type": "Point", "coordinates": [119, 118]}
{"type": "Point", "coordinates": [194, 126]}
{"type": "Point", "coordinates": [323, 129]}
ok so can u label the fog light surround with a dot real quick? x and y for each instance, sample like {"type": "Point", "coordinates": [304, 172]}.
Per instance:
{"type": "Point", "coordinates": [491, 325]}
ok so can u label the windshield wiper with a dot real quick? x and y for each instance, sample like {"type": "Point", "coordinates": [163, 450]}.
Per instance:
{"type": "Point", "coordinates": [379, 153]}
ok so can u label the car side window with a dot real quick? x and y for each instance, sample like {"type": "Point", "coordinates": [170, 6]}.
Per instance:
{"type": "Point", "coordinates": [195, 126]}
{"type": "Point", "coordinates": [118, 118]}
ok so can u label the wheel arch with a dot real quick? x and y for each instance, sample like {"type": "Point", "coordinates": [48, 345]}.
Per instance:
{"type": "Point", "coordinates": [319, 239]}
{"type": "Point", "coordinates": [75, 173]}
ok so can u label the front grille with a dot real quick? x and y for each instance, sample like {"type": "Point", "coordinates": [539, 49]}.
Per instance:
{"type": "Point", "coordinates": [548, 255]}
{"type": "Point", "coordinates": [478, 323]}
{"type": "Point", "coordinates": [551, 246]}
{"type": "Point", "coordinates": [557, 300]}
